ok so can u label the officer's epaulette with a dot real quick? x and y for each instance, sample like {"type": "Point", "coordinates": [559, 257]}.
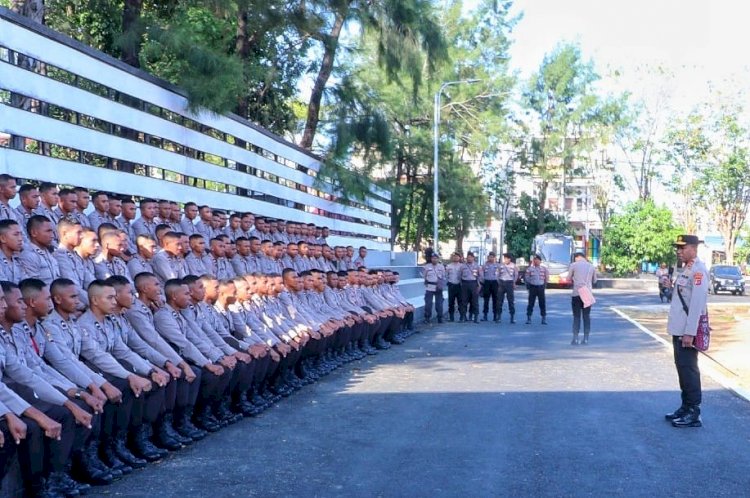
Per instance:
{"type": "Point", "coordinates": [174, 314]}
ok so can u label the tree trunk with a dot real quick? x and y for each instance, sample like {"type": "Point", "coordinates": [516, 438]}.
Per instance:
{"type": "Point", "coordinates": [131, 30]}
{"type": "Point", "coordinates": [242, 49]}
{"type": "Point", "coordinates": [542, 201]}
{"type": "Point", "coordinates": [421, 221]}
{"type": "Point", "coordinates": [33, 9]}
{"type": "Point", "coordinates": [330, 43]}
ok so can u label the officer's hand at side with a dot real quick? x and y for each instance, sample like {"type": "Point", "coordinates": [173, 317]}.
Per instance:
{"type": "Point", "coordinates": [51, 428]}
{"type": "Point", "coordinates": [687, 341]}
{"type": "Point", "coordinates": [95, 403]}
{"type": "Point", "coordinates": [138, 384]}
{"type": "Point", "coordinates": [82, 416]}
{"type": "Point", "coordinates": [114, 395]}
{"type": "Point", "coordinates": [16, 427]}
{"type": "Point", "coordinates": [215, 369]}
{"type": "Point", "coordinates": [160, 377]}
{"type": "Point", "coordinates": [175, 372]}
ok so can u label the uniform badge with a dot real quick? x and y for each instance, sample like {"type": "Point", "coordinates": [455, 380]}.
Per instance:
{"type": "Point", "coordinates": [697, 278]}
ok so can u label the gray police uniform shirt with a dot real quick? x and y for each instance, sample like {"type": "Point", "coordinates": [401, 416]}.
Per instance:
{"type": "Point", "coordinates": [434, 276]}
{"type": "Point", "coordinates": [243, 265]}
{"type": "Point", "coordinates": [29, 346]}
{"type": "Point", "coordinates": [105, 268]}
{"type": "Point", "coordinates": [536, 275]}
{"type": "Point", "coordinates": [139, 264]}
{"type": "Point", "coordinates": [215, 323]}
{"type": "Point", "coordinates": [470, 271]}
{"type": "Point", "coordinates": [102, 346]}
{"type": "Point", "coordinates": [195, 264]}
{"type": "Point", "coordinates": [12, 367]}
{"type": "Point", "coordinates": [173, 327]}
{"type": "Point", "coordinates": [141, 226]}
{"type": "Point", "coordinates": [81, 218]}
{"type": "Point", "coordinates": [133, 341]}
{"type": "Point", "coordinates": [204, 229]}
{"type": "Point", "coordinates": [11, 269]}
{"type": "Point", "coordinates": [489, 272]}
{"type": "Point", "coordinates": [62, 350]}
{"type": "Point", "coordinates": [96, 219]}
{"type": "Point", "coordinates": [39, 262]}
{"type": "Point", "coordinates": [453, 273]}
{"type": "Point", "coordinates": [235, 319]}
{"type": "Point", "coordinates": [187, 226]}
{"type": "Point", "coordinates": [205, 338]}
{"type": "Point", "coordinates": [141, 319]}
{"type": "Point", "coordinates": [24, 216]}
{"type": "Point", "coordinates": [167, 267]}
{"type": "Point", "coordinates": [692, 285]}
{"type": "Point", "coordinates": [126, 227]}
{"type": "Point", "coordinates": [8, 213]}
{"type": "Point", "coordinates": [509, 272]}
{"type": "Point", "coordinates": [74, 268]}
{"type": "Point", "coordinates": [218, 267]}
{"type": "Point", "coordinates": [583, 274]}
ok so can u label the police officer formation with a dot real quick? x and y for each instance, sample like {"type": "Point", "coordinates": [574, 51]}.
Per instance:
{"type": "Point", "coordinates": [494, 281]}
{"type": "Point", "coordinates": [124, 342]}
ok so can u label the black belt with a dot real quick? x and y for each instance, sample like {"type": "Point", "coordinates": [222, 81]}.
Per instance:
{"type": "Point", "coordinates": [468, 280]}
{"type": "Point", "coordinates": [536, 285]}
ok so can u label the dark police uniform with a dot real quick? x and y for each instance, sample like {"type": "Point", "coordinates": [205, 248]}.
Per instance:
{"type": "Point", "coordinates": [508, 276]}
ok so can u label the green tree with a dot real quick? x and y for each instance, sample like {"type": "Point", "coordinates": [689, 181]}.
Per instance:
{"type": "Point", "coordinates": [520, 227]}
{"type": "Point", "coordinates": [409, 42]}
{"type": "Point", "coordinates": [642, 232]}
{"type": "Point", "coordinates": [564, 118]}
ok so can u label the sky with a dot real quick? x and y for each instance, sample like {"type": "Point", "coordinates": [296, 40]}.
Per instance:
{"type": "Point", "coordinates": [699, 41]}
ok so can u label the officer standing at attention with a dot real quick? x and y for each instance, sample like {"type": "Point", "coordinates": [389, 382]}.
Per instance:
{"type": "Point", "coordinates": [488, 276]}
{"type": "Point", "coordinates": [508, 277]}
{"type": "Point", "coordinates": [536, 277]}
{"type": "Point", "coordinates": [434, 283]}
{"type": "Point", "coordinates": [691, 288]}
{"type": "Point", "coordinates": [453, 276]}
{"type": "Point", "coordinates": [470, 289]}
{"type": "Point", "coordinates": [583, 274]}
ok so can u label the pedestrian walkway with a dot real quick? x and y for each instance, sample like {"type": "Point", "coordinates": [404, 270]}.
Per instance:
{"type": "Point", "coordinates": [479, 410]}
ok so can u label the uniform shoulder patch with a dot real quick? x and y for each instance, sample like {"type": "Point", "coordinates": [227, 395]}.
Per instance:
{"type": "Point", "coordinates": [697, 278]}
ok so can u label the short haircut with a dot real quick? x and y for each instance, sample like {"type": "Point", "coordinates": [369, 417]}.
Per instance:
{"type": "Point", "coordinates": [97, 286]}
{"type": "Point", "coordinates": [7, 286]}
{"type": "Point", "coordinates": [127, 200]}
{"type": "Point", "coordinates": [6, 225]}
{"type": "Point", "coordinates": [99, 193]}
{"type": "Point", "coordinates": [5, 178]}
{"type": "Point", "coordinates": [47, 186]}
{"type": "Point", "coordinates": [171, 285]}
{"type": "Point", "coordinates": [147, 200]}
{"type": "Point", "coordinates": [59, 284]}
{"type": "Point", "coordinates": [195, 236]}
{"type": "Point", "coordinates": [171, 236]}
{"type": "Point", "coordinates": [287, 271]}
{"type": "Point", "coordinates": [190, 279]}
{"type": "Point", "coordinates": [80, 189]}
{"type": "Point", "coordinates": [26, 187]}
{"type": "Point", "coordinates": [30, 286]}
{"type": "Point", "coordinates": [190, 204]}
{"type": "Point", "coordinates": [141, 278]}
{"type": "Point", "coordinates": [117, 281]}
{"type": "Point", "coordinates": [36, 221]}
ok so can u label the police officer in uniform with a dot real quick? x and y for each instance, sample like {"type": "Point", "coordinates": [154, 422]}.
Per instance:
{"type": "Point", "coordinates": [691, 288]}
{"type": "Point", "coordinates": [434, 282]}
{"type": "Point", "coordinates": [488, 276]}
{"type": "Point", "coordinates": [470, 289]}
{"type": "Point", "coordinates": [453, 276]}
{"type": "Point", "coordinates": [536, 277]}
{"type": "Point", "coordinates": [508, 277]}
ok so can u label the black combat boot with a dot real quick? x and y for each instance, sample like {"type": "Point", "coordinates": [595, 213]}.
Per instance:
{"type": "Point", "coordinates": [143, 448]}
{"type": "Point", "coordinates": [462, 318]}
{"type": "Point", "coordinates": [574, 342]}
{"type": "Point", "coordinates": [484, 317]}
{"type": "Point", "coordinates": [476, 318]}
{"type": "Point", "coordinates": [678, 413]}
{"type": "Point", "coordinates": [124, 454]}
{"type": "Point", "coordinates": [512, 318]}
{"type": "Point", "coordinates": [691, 418]}
{"type": "Point", "coordinates": [88, 467]}
{"type": "Point", "coordinates": [585, 339]}
{"type": "Point", "coordinates": [528, 319]}
{"type": "Point", "coordinates": [495, 317]}
{"type": "Point", "coordinates": [544, 320]}
{"type": "Point", "coordinates": [451, 317]}
{"type": "Point", "coordinates": [164, 439]}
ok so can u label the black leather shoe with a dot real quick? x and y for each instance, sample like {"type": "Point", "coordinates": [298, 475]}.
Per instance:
{"type": "Point", "coordinates": [462, 319]}
{"type": "Point", "coordinates": [678, 413]}
{"type": "Point", "coordinates": [574, 342]}
{"type": "Point", "coordinates": [512, 319]}
{"type": "Point", "coordinates": [544, 321]}
{"type": "Point", "coordinates": [585, 340]}
{"type": "Point", "coordinates": [440, 320]}
{"type": "Point", "coordinates": [528, 320]}
{"type": "Point", "coordinates": [691, 418]}
{"type": "Point", "coordinates": [476, 318]}
{"type": "Point", "coordinates": [61, 482]}
{"type": "Point", "coordinates": [124, 454]}
{"type": "Point", "coordinates": [88, 468]}
{"type": "Point", "coordinates": [484, 317]}
{"type": "Point", "coordinates": [451, 318]}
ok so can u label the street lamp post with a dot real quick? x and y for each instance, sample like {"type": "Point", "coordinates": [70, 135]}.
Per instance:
{"type": "Point", "coordinates": [436, 139]}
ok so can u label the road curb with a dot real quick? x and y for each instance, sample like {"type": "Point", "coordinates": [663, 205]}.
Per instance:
{"type": "Point", "coordinates": [708, 368]}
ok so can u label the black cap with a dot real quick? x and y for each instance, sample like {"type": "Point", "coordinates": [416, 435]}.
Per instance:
{"type": "Point", "coordinates": [492, 253]}
{"type": "Point", "coordinates": [687, 240]}
{"type": "Point", "coordinates": [435, 255]}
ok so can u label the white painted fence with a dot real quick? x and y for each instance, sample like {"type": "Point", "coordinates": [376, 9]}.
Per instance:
{"type": "Point", "coordinates": [85, 119]}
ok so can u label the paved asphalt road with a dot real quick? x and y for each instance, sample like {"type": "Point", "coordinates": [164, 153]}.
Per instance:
{"type": "Point", "coordinates": [480, 410]}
